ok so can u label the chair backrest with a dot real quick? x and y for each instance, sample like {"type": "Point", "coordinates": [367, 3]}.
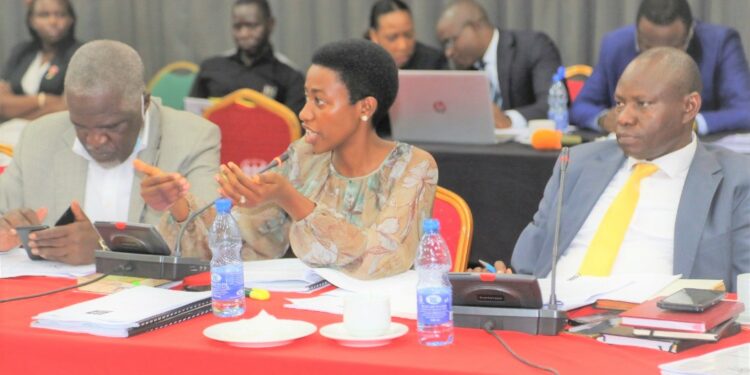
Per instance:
{"type": "Point", "coordinates": [172, 83]}
{"type": "Point", "coordinates": [456, 225]}
{"type": "Point", "coordinates": [575, 77]}
{"type": "Point", "coordinates": [254, 128]}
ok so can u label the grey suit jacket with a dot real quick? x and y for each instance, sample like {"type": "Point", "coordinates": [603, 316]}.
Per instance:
{"type": "Point", "coordinates": [526, 62]}
{"type": "Point", "coordinates": [45, 172]}
{"type": "Point", "coordinates": [712, 231]}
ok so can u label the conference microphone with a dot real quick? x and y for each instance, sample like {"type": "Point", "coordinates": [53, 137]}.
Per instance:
{"type": "Point", "coordinates": [177, 247]}
{"type": "Point", "coordinates": [564, 160]}
{"type": "Point", "coordinates": [172, 267]}
{"type": "Point", "coordinates": [512, 302]}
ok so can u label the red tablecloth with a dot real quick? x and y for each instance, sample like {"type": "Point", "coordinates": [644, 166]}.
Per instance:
{"type": "Point", "coordinates": [182, 348]}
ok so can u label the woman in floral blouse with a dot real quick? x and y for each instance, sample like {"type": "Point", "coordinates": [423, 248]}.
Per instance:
{"type": "Point", "coordinates": [345, 198]}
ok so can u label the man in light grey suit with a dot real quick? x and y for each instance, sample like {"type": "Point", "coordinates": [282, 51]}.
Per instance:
{"type": "Point", "coordinates": [83, 158]}
{"type": "Point", "coordinates": [693, 214]}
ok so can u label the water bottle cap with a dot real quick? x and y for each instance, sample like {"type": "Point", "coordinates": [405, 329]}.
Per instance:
{"type": "Point", "coordinates": [431, 225]}
{"type": "Point", "coordinates": [223, 205]}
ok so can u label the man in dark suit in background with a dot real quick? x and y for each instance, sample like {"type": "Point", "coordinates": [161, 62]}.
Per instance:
{"type": "Point", "coordinates": [669, 23]}
{"type": "Point", "coordinates": [253, 64]}
{"type": "Point", "coordinates": [519, 64]}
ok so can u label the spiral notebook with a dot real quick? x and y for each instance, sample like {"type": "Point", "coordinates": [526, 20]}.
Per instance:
{"type": "Point", "coordinates": [126, 313]}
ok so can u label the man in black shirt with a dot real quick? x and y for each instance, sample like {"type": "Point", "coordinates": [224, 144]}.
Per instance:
{"type": "Point", "coordinates": [254, 64]}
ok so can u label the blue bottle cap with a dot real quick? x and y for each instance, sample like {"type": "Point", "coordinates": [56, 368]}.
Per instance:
{"type": "Point", "coordinates": [431, 226]}
{"type": "Point", "coordinates": [223, 205]}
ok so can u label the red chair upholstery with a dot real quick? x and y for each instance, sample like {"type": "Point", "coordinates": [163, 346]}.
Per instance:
{"type": "Point", "coordinates": [575, 77]}
{"type": "Point", "coordinates": [254, 128]}
{"type": "Point", "coordinates": [456, 225]}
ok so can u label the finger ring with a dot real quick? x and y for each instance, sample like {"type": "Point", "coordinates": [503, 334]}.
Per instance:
{"type": "Point", "coordinates": [243, 200]}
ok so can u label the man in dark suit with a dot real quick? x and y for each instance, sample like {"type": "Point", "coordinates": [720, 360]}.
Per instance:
{"type": "Point", "coordinates": [716, 49]}
{"type": "Point", "coordinates": [689, 215]}
{"type": "Point", "coordinates": [519, 64]}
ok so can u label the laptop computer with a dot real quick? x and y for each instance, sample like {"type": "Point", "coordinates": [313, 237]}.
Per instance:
{"type": "Point", "coordinates": [444, 107]}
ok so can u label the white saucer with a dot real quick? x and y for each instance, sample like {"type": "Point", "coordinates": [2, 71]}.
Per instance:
{"type": "Point", "coordinates": [336, 331]}
{"type": "Point", "coordinates": [241, 334]}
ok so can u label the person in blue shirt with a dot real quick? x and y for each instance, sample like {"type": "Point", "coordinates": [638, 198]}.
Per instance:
{"type": "Point", "coordinates": [669, 23]}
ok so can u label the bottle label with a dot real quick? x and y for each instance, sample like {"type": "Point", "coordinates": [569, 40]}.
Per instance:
{"type": "Point", "coordinates": [434, 305]}
{"type": "Point", "coordinates": [227, 282]}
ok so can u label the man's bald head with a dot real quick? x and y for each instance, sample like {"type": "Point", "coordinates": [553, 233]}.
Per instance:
{"type": "Point", "coordinates": [465, 11]}
{"type": "Point", "coordinates": [674, 67]}
{"type": "Point", "coordinates": [106, 67]}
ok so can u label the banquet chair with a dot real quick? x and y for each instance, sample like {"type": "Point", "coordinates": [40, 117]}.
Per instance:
{"type": "Point", "coordinates": [575, 77]}
{"type": "Point", "coordinates": [254, 128]}
{"type": "Point", "coordinates": [173, 82]}
{"type": "Point", "coordinates": [456, 225]}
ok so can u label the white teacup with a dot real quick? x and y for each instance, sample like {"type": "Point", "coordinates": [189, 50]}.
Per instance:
{"type": "Point", "coordinates": [367, 314]}
{"type": "Point", "coordinates": [743, 294]}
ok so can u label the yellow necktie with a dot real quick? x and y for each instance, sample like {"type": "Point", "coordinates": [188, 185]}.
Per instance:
{"type": "Point", "coordinates": [606, 243]}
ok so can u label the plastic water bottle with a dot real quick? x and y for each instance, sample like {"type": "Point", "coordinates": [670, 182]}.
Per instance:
{"type": "Point", "coordinates": [227, 280]}
{"type": "Point", "coordinates": [558, 101]}
{"type": "Point", "coordinates": [434, 291]}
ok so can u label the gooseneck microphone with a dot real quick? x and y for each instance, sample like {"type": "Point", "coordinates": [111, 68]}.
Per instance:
{"type": "Point", "coordinates": [564, 160]}
{"type": "Point", "coordinates": [178, 244]}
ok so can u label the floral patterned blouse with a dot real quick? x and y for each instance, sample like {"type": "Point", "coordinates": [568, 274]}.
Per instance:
{"type": "Point", "coordinates": [368, 227]}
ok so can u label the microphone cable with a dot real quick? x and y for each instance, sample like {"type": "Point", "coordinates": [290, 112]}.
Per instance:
{"type": "Point", "coordinates": [489, 326]}
{"type": "Point", "coordinates": [120, 268]}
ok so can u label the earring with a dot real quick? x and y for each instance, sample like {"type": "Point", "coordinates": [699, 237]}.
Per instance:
{"type": "Point", "coordinates": [364, 118]}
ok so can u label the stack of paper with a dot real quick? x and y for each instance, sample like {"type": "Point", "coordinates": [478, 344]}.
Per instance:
{"type": "Point", "coordinates": [401, 289]}
{"type": "Point", "coordinates": [16, 263]}
{"type": "Point", "coordinates": [282, 275]}
{"type": "Point", "coordinates": [127, 312]}
{"type": "Point", "coordinates": [584, 290]}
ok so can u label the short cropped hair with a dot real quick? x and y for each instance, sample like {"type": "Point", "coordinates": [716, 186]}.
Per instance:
{"type": "Point", "coordinates": [365, 68]}
{"type": "Point", "coordinates": [261, 4]}
{"type": "Point", "coordinates": [664, 12]}
{"type": "Point", "coordinates": [684, 73]}
{"type": "Point", "coordinates": [106, 66]}
{"type": "Point", "coordinates": [383, 7]}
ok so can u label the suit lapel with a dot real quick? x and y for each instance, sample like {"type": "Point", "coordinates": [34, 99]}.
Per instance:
{"type": "Point", "coordinates": [149, 155]}
{"type": "Point", "coordinates": [70, 172]}
{"type": "Point", "coordinates": [700, 187]}
{"type": "Point", "coordinates": [506, 50]}
{"type": "Point", "coordinates": [580, 198]}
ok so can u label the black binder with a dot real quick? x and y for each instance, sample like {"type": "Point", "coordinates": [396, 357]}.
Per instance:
{"type": "Point", "coordinates": [168, 318]}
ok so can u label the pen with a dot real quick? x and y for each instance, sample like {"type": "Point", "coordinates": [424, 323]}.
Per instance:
{"type": "Point", "coordinates": [257, 294]}
{"type": "Point", "coordinates": [487, 266]}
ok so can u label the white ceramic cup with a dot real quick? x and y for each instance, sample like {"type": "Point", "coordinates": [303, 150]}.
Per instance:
{"type": "Point", "coordinates": [743, 293]}
{"type": "Point", "coordinates": [540, 124]}
{"type": "Point", "coordinates": [367, 314]}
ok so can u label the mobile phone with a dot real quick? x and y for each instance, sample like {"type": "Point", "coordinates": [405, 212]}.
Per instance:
{"type": "Point", "coordinates": [66, 218]}
{"type": "Point", "coordinates": [23, 233]}
{"type": "Point", "coordinates": [691, 300]}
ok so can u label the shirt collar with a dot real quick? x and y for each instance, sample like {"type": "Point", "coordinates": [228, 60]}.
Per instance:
{"type": "Point", "coordinates": [490, 55]}
{"type": "Point", "coordinates": [140, 144]}
{"type": "Point", "coordinates": [673, 163]}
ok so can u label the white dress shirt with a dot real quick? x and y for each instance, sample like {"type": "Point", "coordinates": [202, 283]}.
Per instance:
{"type": "Point", "coordinates": [489, 65]}
{"type": "Point", "coordinates": [107, 196]}
{"type": "Point", "coordinates": [648, 246]}
{"type": "Point", "coordinates": [33, 77]}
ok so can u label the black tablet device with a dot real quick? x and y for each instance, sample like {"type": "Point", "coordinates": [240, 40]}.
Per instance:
{"type": "Point", "coordinates": [132, 238]}
{"type": "Point", "coordinates": [495, 290]}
